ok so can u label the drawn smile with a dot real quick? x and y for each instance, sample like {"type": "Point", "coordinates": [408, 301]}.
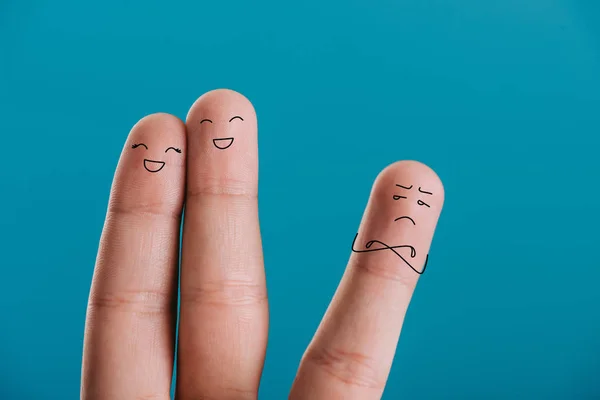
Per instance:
{"type": "Point", "coordinates": [153, 166]}
{"type": "Point", "coordinates": [223, 143]}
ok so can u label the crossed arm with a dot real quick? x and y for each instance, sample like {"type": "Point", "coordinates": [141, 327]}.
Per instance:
{"type": "Point", "coordinates": [210, 163]}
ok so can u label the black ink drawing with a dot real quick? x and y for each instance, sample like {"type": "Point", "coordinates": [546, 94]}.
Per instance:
{"type": "Point", "coordinates": [154, 165]}
{"type": "Point", "coordinates": [413, 252]}
{"type": "Point", "coordinates": [223, 143]}
{"type": "Point", "coordinates": [385, 246]}
{"type": "Point", "coordinates": [407, 218]}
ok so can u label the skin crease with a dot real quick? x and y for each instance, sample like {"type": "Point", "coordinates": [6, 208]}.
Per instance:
{"type": "Point", "coordinates": [223, 278]}
{"type": "Point", "coordinates": [129, 336]}
{"type": "Point", "coordinates": [235, 168]}
{"type": "Point", "coordinates": [224, 315]}
{"type": "Point", "coordinates": [351, 354]}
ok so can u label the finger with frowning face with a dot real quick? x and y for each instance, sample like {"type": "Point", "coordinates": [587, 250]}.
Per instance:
{"type": "Point", "coordinates": [130, 325]}
{"type": "Point", "coordinates": [351, 354]}
{"type": "Point", "coordinates": [224, 313]}
{"type": "Point", "coordinates": [406, 224]}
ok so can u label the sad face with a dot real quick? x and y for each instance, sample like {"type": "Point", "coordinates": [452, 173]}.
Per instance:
{"type": "Point", "coordinates": [406, 204]}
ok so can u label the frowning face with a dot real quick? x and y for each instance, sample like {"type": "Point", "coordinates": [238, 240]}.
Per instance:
{"type": "Point", "coordinates": [405, 212]}
{"type": "Point", "coordinates": [154, 165]}
{"type": "Point", "coordinates": [420, 202]}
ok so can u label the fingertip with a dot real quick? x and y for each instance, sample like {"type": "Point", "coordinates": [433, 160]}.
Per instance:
{"type": "Point", "coordinates": [223, 147]}
{"type": "Point", "coordinates": [410, 173]}
{"type": "Point", "coordinates": [161, 129]}
{"type": "Point", "coordinates": [151, 168]}
{"type": "Point", "coordinates": [221, 99]}
{"type": "Point", "coordinates": [158, 136]}
{"type": "Point", "coordinates": [400, 219]}
{"type": "Point", "coordinates": [158, 121]}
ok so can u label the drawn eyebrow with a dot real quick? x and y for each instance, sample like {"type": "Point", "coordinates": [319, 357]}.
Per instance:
{"type": "Point", "coordinates": [422, 203]}
{"type": "Point", "coordinates": [405, 217]}
{"type": "Point", "coordinates": [405, 187]}
{"type": "Point", "coordinates": [237, 116]}
{"type": "Point", "coordinates": [173, 148]}
{"type": "Point", "coordinates": [396, 197]}
{"type": "Point", "coordinates": [138, 145]}
{"type": "Point", "coordinates": [206, 120]}
{"type": "Point", "coordinates": [422, 191]}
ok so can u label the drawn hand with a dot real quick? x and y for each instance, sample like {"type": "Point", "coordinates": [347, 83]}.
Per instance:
{"type": "Point", "coordinates": [212, 165]}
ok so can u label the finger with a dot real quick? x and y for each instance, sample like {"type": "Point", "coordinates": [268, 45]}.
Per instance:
{"type": "Point", "coordinates": [224, 313]}
{"type": "Point", "coordinates": [352, 352]}
{"type": "Point", "coordinates": [129, 338]}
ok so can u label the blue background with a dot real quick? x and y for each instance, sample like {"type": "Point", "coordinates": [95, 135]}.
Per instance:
{"type": "Point", "coordinates": [501, 98]}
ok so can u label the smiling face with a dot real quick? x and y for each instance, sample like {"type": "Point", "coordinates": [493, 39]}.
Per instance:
{"type": "Point", "coordinates": [153, 160]}
{"type": "Point", "coordinates": [222, 143]}
{"type": "Point", "coordinates": [222, 117]}
{"type": "Point", "coordinates": [222, 134]}
{"type": "Point", "coordinates": [154, 165]}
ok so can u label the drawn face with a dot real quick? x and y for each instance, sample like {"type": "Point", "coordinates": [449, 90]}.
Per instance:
{"type": "Point", "coordinates": [223, 143]}
{"type": "Point", "coordinates": [222, 133]}
{"type": "Point", "coordinates": [403, 222]}
{"type": "Point", "coordinates": [154, 165]}
{"type": "Point", "coordinates": [219, 120]}
{"type": "Point", "coordinates": [420, 202]}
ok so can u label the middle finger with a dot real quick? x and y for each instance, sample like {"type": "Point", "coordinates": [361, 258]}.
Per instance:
{"type": "Point", "coordinates": [224, 312]}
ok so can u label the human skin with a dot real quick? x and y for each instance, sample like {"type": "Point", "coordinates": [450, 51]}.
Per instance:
{"type": "Point", "coordinates": [211, 166]}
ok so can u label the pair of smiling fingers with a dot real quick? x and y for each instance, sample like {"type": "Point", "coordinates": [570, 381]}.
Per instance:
{"type": "Point", "coordinates": [157, 165]}
{"type": "Point", "coordinates": [211, 164]}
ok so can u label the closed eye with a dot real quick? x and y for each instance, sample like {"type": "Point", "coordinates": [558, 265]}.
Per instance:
{"type": "Point", "coordinates": [138, 145]}
{"type": "Point", "coordinates": [173, 148]}
{"type": "Point", "coordinates": [206, 120]}
{"type": "Point", "coordinates": [238, 117]}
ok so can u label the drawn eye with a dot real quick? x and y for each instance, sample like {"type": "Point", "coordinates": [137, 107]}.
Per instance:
{"type": "Point", "coordinates": [206, 120]}
{"type": "Point", "coordinates": [173, 148]}
{"type": "Point", "coordinates": [236, 117]}
{"type": "Point", "coordinates": [422, 203]}
{"type": "Point", "coordinates": [138, 145]}
{"type": "Point", "coordinates": [396, 197]}
{"type": "Point", "coordinates": [405, 187]}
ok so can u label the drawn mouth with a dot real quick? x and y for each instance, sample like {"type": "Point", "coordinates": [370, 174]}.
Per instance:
{"type": "Point", "coordinates": [223, 143]}
{"type": "Point", "coordinates": [153, 166]}
{"type": "Point", "coordinates": [406, 217]}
